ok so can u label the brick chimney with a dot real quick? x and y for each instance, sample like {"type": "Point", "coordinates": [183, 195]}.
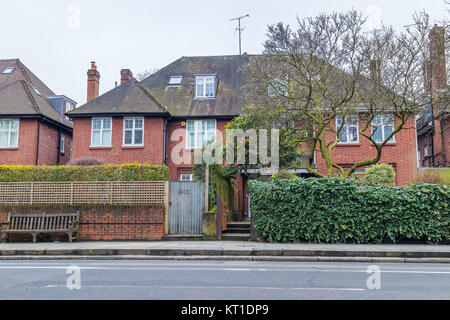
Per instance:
{"type": "Point", "coordinates": [375, 70]}
{"type": "Point", "coordinates": [92, 82]}
{"type": "Point", "coordinates": [125, 76]}
{"type": "Point", "coordinates": [438, 70]}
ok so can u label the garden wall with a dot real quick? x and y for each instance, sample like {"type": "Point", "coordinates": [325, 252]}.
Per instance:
{"type": "Point", "coordinates": [99, 222]}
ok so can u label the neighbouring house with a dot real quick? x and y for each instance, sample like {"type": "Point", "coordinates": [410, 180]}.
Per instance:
{"type": "Point", "coordinates": [181, 107]}
{"type": "Point", "coordinates": [433, 134]}
{"type": "Point", "coordinates": [34, 129]}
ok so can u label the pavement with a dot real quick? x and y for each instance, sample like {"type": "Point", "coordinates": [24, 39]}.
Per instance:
{"type": "Point", "coordinates": [225, 250]}
{"type": "Point", "coordinates": [228, 280]}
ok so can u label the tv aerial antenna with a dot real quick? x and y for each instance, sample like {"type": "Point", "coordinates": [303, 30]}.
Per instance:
{"type": "Point", "coordinates": [239, 28]}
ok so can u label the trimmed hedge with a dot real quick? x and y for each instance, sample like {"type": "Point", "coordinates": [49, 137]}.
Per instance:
{"type": "Point", "coordinates": [334, 210]}
{"type": "Point", "coordinates": [123, 172]}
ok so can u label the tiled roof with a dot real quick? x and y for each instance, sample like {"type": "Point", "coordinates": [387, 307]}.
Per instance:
{"type": "Point", "coordinates": [129, 98]}
{"type": "Point", "coordinates": [22, 93]}
{"type": "Point", "coordinates": [180, 99]}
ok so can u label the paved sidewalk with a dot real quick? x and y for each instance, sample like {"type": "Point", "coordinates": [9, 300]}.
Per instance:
{"type": "Point", "coordinates": [228, 249]}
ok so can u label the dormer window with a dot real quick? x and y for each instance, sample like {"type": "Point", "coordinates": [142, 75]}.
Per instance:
{"type": "Point", "coordinates": [175, 80]}
{"type": "Point", "coordinates": [205, 86]}
{"type": "Point", "coordinates": [8, 70]}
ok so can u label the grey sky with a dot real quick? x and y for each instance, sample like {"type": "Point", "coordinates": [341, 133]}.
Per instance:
{"type": "Point", "coordinates": [147, 34]}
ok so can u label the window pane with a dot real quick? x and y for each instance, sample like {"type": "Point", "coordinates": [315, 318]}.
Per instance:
{"type": "Point", "coordinates": [13, 139]}
{"type": "Point", "coordinates": [353, 120]}
{"type": "Point", "coordinates": [353, 134]}
{"type": "Point", "coordinates": [3, 139]}
{"type": "Point", "coordinates": [138, 137]}
{"type": "Point", "coordinates": [190, 125]}
{"type": "Point", "coordinates": [138, 123]}
{"type": "Point", "coordinates": [211, 137]}
{"type": "Point", "coordinates": [200, 88]}
{"type": "Point", "coordinates": [96, 138]}
{"type": "Point", "coordinates": [96, 123]}
{"type": "Point", "coordinates": [338, 120]}
{"type": "Point", "coordinates": [388, 119]}
{"type": "Point", "coordinates": [211, 125]}
{"type": "Point", "coordinates": [200, 139]}
{"type": "Point", "coordinates": [387, 131]}
{"type": "Point", "coordinates": [377, 134]}
{"type": "Point", "coordinates": [14, 124]}
{"type": "Point", "coordinates": [128, 137]}
{"type": "Point", "coordinates": [106, 137]}
{"type": "Point", "coordinates": [203, 124]}
{"type": "Point", "coordinates": [344, 134]}
{"type": "Point", "coordinates": [190, 140]}
{"type": "Point", "coordinates": [209, 87]}
{"type": "Point", "coordinates": [4, 124]}
{"type": "Point", "coordinates": [106, 123]}
{"type": "Point", "coordinates": [128, 123]}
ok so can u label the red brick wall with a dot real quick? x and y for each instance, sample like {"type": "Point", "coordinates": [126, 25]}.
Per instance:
{"type": "Point", "coordinates": [401, 154]}
{"type": "Point", "coordinates": [102, 222]}
{"type": "Point", "coordinates": [151, 152]}
{"type": "Point", "coordinates": [25, 153]}
{"type": "Point", "coordinates": [173, 147]}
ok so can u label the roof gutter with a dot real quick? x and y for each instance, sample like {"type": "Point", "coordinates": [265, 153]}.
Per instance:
{"type": "Point", "coordinates": [38, 116]}
{"type": "Point", "coordinates": [118, 114]}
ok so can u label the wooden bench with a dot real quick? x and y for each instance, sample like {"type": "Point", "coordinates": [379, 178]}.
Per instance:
{"type": "Point", "coordinates": [43, 223]}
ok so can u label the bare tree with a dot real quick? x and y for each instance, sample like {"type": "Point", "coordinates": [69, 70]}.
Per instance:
{"type": "Point", "coordinates": [329, 74]}
{"type": "Point", "coordinates": [145, 74]}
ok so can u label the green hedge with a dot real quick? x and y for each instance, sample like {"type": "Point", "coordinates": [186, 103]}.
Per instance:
{"type": "Point", "coordinates": [337, 211]}
{"type": "Point", "coordinates": [124, 172]}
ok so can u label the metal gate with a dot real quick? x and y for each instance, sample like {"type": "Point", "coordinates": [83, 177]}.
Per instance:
{"type": "Point", "coordinates": [186, 207]}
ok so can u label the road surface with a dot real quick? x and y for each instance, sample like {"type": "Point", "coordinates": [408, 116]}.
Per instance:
{"type": "Point", "coordinates": [231, 280]}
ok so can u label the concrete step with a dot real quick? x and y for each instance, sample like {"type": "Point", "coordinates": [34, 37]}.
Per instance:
{"type": "Point", "coordinates": [237, 230]}
{"type": "Point", "coordinates": [238, 225]}
{"type": "Point", "coordinates": [236, 236]}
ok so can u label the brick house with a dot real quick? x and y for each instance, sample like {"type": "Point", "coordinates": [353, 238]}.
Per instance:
{"type": "Point", "coordinates": [182, 106]}
{"type": "Point", "coordinates": [34, 129]}
{"type": "Point", "coordinates": [433, 134]}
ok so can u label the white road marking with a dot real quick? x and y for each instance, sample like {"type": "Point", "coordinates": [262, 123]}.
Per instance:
{"type": "Point", "coordinates": [227, 269]}
{"type": "Point", "coordinates": [213, 287]}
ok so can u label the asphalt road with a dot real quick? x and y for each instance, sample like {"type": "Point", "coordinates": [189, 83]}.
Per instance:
{"type": "Point", "coordinates": [111, 279]}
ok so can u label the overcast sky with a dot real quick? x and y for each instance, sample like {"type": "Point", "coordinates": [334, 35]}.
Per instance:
{"type": "Point", "coordinates": [57, 39]}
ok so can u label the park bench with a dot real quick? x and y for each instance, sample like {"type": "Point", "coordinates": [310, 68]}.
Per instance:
{"type": "Point", "coordinates": [43, 223]}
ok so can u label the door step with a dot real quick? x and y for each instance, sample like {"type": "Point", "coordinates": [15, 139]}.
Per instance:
{"type": "Point", "coordinates": [237, 231]}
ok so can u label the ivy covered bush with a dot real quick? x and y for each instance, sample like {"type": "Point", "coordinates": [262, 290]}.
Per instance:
{"type": "Point", "coordinates": [332, 210]}
{"type": "Point", "coordinates": [380, 174]}
{"type": "Point", "coordinates": [123, 172]}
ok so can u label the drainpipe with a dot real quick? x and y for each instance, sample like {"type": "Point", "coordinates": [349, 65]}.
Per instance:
{"type": "Point", "coordinates": [431, 137]}
{"type": "Point", "coordinates": [58, 157]}
{"type": "Point", "coordinates": [165, 141]}
{"type": "Point", "coordinates": [417, 144]}
{"type": "Point", "coordinates": [37, 141]}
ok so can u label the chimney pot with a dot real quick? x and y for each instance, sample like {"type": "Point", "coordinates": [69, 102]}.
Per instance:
{"type": "Point", "coordinates": [125, 76]}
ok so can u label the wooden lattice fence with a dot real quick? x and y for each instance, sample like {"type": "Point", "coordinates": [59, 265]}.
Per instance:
{"type": "Point", "coordinates": [79, 193]}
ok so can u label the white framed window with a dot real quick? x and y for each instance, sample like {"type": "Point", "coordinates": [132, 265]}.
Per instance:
{"type": "Point", "coordinates": [8, 70]}
{"type": "Point", "coordinates": [205, 87]}
{"type": "Point", "coordinates": [69, 107]}
{"type": "Point", "coordinates": [133, 131]}
{"type": "Point", "coordinates": [200, 132]}
{"type": "Point", "coordinates": [382, 127]}
{"type": "Point", "coordinates": [187, 177]}
{"type": "Point", "coordinates": [9, 133]}
{"type": "Point", "coordinates": [349, 132]}
{"type": "Point", "coordinates": [101, 132]}
{"type": "Point", "coordinates": [425, 151]}
{"type": "Point", "coordinates": [63, 141]}
{"type": "Point", "coordinates": [175, 80]}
